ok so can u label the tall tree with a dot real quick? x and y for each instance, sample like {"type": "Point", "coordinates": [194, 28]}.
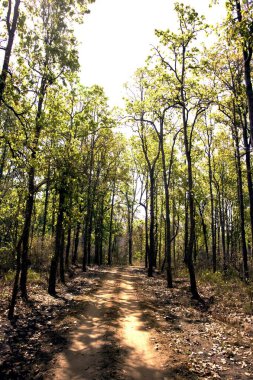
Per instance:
{"type": "Point", "coordinates": [178, 55]}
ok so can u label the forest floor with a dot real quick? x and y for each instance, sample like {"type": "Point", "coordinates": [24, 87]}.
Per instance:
{"type": "Point", "coordinates": [117, 324]}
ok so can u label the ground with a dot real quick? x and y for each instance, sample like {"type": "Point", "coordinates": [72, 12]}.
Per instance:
{"type": "Point", "coordinates": [116, 323]}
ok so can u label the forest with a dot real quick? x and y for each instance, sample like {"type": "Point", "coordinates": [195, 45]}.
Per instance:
{"type": "Point", "coordinates": [159, 192]}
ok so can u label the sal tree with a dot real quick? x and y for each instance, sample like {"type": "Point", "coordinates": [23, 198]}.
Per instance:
{"type": "Point", "coordinates": [179, 55]}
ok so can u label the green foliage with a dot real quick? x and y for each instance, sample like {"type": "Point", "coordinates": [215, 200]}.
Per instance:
{"type": "Point", "coordinates": [216, 278]}
{"type": "Point", "coordinates": [33, 277]}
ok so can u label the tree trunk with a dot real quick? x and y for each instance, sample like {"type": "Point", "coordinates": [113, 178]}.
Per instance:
{"type": "Point", "coordinates": [53, 214]}
{"type": "Point", "coordinates": [152, 223]}
{"type": "Point", "coordinates": [90, 227]}
{"type": "Point", "coordinates": [100, 250]}
{"type": "Point", "coordinates": [46, 204]}
{"type": "Point", "coordinates": [109, 257]}
{"type": "Point", "coordinates": [174, 233]}
{"type": "Point", "coordinates": [30, 197]}
{"type": "Point", "coordinates": [26, 234]}
{"type": "Point", "coordinates": [146, 231]}
{"type": "Point", "coordinates": [189, 253]}
{"type": "Point", "coordinates": [186, 227]}
{"type": "Point", "coordinates": [58, 245]}
{"type": "Point", "coordinates": [191, 239]}
{"type": "Point", "coordinates": [68, 245]}
{"type": "Point", "coordinates": [213, 228]}
{"type": "Point", "coordinates": [76, 243]}
{"type": "Point", "coordinates": [241, 205]}
{"type": "Point", "coordinates": [204, 229]}
{"type": "Point", "coordinates": [61, 248]}
{"type": "Point", "coordinates": [98, 232]}
{"type": "Point", "coordinates": [167, 213]}
{"type": "Point", "coordinates": [130, 245]}
{"type": "Point", "coordinates": [222, 227]}
{"type": "Point", "coordinates": [130, 217]}
{"type": "Point", "coordinates": [15, 288]}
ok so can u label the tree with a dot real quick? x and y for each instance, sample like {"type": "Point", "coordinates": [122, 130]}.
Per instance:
{"type": "Point", "coordinates": [151, 152]}
{"type": "Point", "coordinates": [180, 58]}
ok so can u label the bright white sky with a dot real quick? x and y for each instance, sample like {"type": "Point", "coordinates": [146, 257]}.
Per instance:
{"type": "Point", "coordinates": [117, 36]}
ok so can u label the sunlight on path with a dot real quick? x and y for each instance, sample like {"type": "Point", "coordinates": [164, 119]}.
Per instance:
{"type": "Point", "coordinates": [142, 359]}
{"type": "Point", "coordinates": [111, 340]}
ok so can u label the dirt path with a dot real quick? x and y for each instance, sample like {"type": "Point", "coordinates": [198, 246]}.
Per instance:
{"type": "Point", "coordinates": [112, 340]}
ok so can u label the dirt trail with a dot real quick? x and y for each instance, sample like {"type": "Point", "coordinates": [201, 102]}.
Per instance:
{"type": "Point", "coordinates": [112, 340]}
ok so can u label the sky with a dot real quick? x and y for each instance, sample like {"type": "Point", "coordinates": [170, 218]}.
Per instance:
{"type": "Point", "coordinates": [117, 36]}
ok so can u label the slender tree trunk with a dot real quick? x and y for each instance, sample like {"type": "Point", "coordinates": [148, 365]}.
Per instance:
{"type": "Point", "coordinates": [146, 230]}
{"type": "Point", "coordinates": [204, 229]}
{"type": "Point", "coordinates": [151, 165]}
{"type": "Point", "coordinates": [130, 244]}
{"type": "Point", "coordinates": [152, 224]}
{"type": "Point", "coordinates": [156, 227]}
{"type": "Point", "coordinates": [160, 241]}
{"type": "Point", "coordinates": [87, 219]}
{"type": "Point", "coordinates": [76, 244]}
{"type": "Point", "coordinates": [58, 245]}
{"type": "Point", "coordinates": [218, 229]}
{"type": "Point", "coordinates": [31, 191]}
{"type": "Point", "coordinates": [85, 250]}
{"type": "Point", "coordinates": [53, 215]}
{"type": "Point", "coordinates": [46, 204]}
{"type": "Point", "coordinates": [90, 228]}
{"type": "Point", "coordinates": [174, 233]}
{"type": "Point", "coordinates": [130, 216]}
{"type": "Point", "coordinates": [26, 234]}
{"type": "Point", "coordinates": [68, 245]}
{"type": "Point", "coordinates": [97, 241]}
{"type": "Point", "coordinates": [222, 228]}
{"type": "Point", "coordinates": [241, 205]}
{"type": "Point", "coordinates": [62, 266]}
{"type": "Point", "coordinates": [109, 258]}
{"type": "Point", "coordinates": [213, 228]}
{"type": "Point", "coordinates": [227, 231]}
{"type": "Point", "coordinates": [191, 230]}
{"type": "Point", "coordinates": [98, 232]}
{"type": "Point", "coordinates": [186, 227]}
{"type": "Point", "coordinates": [15, 288]}
{"type": "Point", "coordinates": [190, 244]}
{"type": "Point", "coordinates": [100, 252]}
{"type": "Point", "coordinates": [167, 214]}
